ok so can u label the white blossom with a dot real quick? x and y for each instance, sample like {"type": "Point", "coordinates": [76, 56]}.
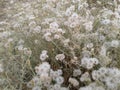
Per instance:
{"type": "Point", "coordinates": [60, 57]}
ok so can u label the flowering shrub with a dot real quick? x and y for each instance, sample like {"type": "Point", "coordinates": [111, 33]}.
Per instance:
{"type": "Point", "coordinates": [60, 45]}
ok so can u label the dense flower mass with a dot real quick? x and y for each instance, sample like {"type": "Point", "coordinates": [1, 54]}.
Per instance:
{"type": "Point", "coordinates": [60, 45]}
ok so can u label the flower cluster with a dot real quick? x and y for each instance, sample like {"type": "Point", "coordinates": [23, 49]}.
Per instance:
{"type": "Point", "coordinates": [89, 62]}
{"type": "Point", "coordinates": [109, 76]}
{"type": "Point", "coordinates": [43, 55]}
{"type": "Point", "coordinates": [45, 77]}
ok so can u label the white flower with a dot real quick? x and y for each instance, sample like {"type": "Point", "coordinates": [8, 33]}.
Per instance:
{"type": "Point", "coordinates": [5, 34]}
{"type": "Point", "coordinates": [88, 26]}
{"type": "Point", "coordinates": [64, 88]}
{"type": "Point", "coordinates": [89, 66]}
{"type": "Point", "coordinates": [114, 72]}
{"type": "Point", "coordinates": [60, 57]}
{"type": "Point", "coordinates": [27, 51]}
{"type": "Point", "coordinates": [89, 62]}
{"type": "Point", "coordinates": [30, 17]}
{"type": "Point", "coordinates": [115, 43]}
{"type": "Point", "coordinates": [32, 23]}
{"type": "Point", "coordinates": [75, 1]}
{"type": "Point", "coordinates": [10, 40]}
{"type": "Point", "coordinates": [36, 41]}
{"type": "Point", "coordinates": [50, 87]}
{"type": "Point", "coordinates": [44, 51]}
{"type": "Point", "coordinates": [86, 88]}
{"type": "Point", "coordinates": [59, 80]}
{"type": "Point", "coordinates": [94, 60]}
{"type": "Point", "coordinates": [72, 7]}
{"type": "Point", "coordinates": [101, 38]}
{"type": "Point", "coordinates": [75, 16]}
{"type": "Point", "coordinates": [73, 24]}
{"type": "Point", "coordinates": [103, 71]}
{"type": "Point", "coordinates": [77, 72]}
{"type": "Point", "coordinates": [59, 71]}
{"type": "Point", "coordinates": [66, 42]}
{"type": "Point", "coordinates": [57, 87]}
{"type": "Point", "coordinates": [103, 50]}
{"type": "Point", "coordinates": [36, 88]}
{"type": "Point", "coordinates": [54, 74]}
{"type": "Point", "coordinates": [85, 77]}
{"type": "Point", "coordinates": [43, 68]}
{"type": "Point", "coordinates": [60, 31]}
{"type": "Point", "coordinates": [47, 36]}
{"type": "Point", "coordinates": [80, 7]}
{"type": "Point", "coordinates": [105, 22]}
{"type": "Point", "coordinates": [30, 84]}
{"type": "Point", "coordinates": [43, 56]}
{"type": "Point", "coordinates": [36, 80]}
{"type": "Point", "coordinates": [111, 83]}
{"type": "Point", "coordinates": [43, 76]}
{"type": "Point", "coordinates": [95, 75]}
{"type": "Point", "coordinates": [54, 25]}
{"type": "Point", "coordinates": [74, 82]}
{"type": "Point", "coordinates": [89, 45]}
{"type": "Point", "coordinates": [56, 36]}
{"type": "Point", "coordinates": [37, 29]}
{"type": "Point", "coordinates": [68, 12]}
{"type": "Point", "coordinates": [20, 48]}
{"type": "Point", "coordinates": [86, 53]}
{"type": "Point", "coordinates": [45, 79]}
